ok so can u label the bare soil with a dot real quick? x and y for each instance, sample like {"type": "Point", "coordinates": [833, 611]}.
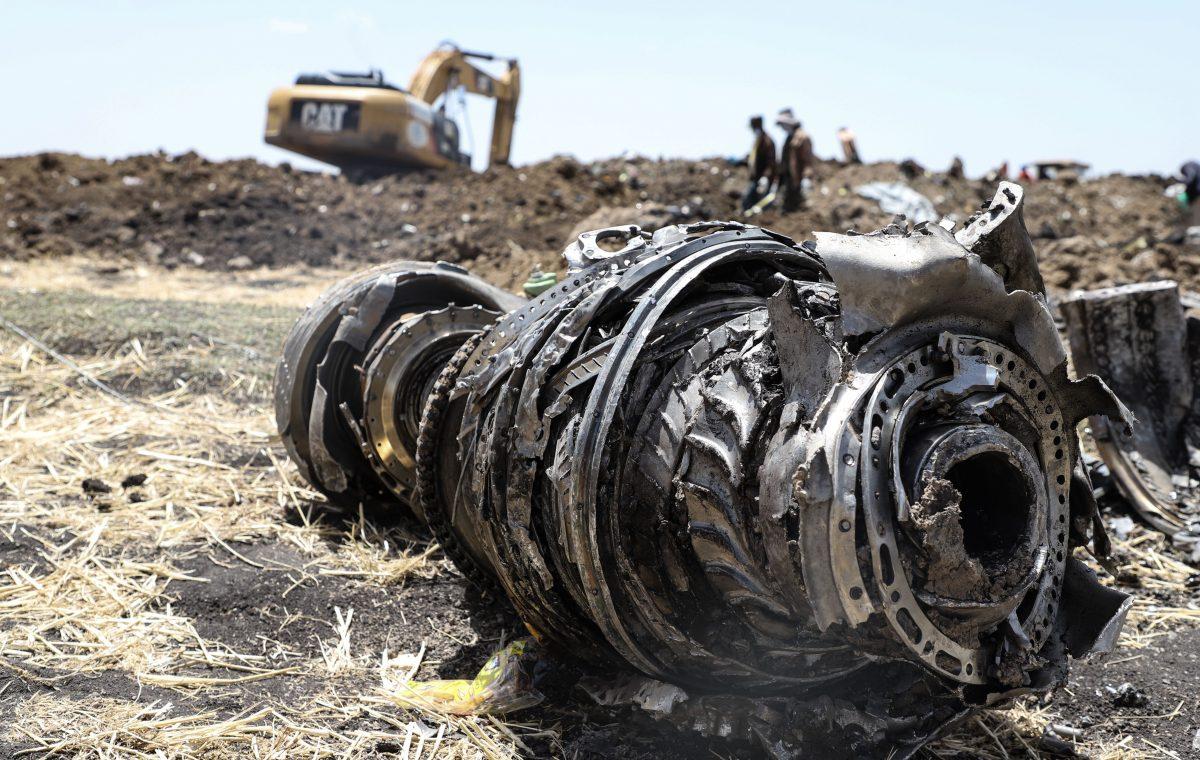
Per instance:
{"type": "Point", "coordinates": [184, 210]}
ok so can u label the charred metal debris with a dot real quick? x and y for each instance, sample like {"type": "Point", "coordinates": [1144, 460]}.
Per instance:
{"type": "Point", "coordinates": [818, 497]}
{"type": "Point", "coordinates": [1144, 340]}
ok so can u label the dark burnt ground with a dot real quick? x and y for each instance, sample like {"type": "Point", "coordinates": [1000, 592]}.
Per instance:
{"type": "Point", "coordinates": [249, 608]}
{"type": "Point", "coordinates": [260, 611]}
{"type": "Point", "coordinates": [1160, 705]}
{"type": "Point", "coordinates": [252, 610]}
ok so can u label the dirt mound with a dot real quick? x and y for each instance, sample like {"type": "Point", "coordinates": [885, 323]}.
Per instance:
{"type": "Point", "coordinates": [186, 210]}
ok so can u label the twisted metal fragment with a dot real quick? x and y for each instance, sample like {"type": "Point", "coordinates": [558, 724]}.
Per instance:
{"type": "Point", "coordinates": [1144, 343]}
{"type": "Point", "coordinates": [361, 324]}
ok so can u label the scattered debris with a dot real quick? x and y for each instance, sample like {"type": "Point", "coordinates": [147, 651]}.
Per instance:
{"type": "Point", "coordinates": [224, 209]}
{"type": "Point", "coordinates": [183, 501]}
{"type": "Point", "coordinates": [1065, 731]}
{"type": "Point", "coordinates": [95, 486]}
{"type": "Point", "coordinates": [506, 683]}
{"type": "Point", "coordinates": [134, 480]}
{"type": "Point", "coordinates": [58, 431]}
{"type": "Point", "coordinates": [1140, 340]}
{"type": "Point", "coordinates": [899, 198]}
{"type": "Point", "coordinates": [653, 696]}
{"type": "Point", "coordinates": [1055, 746]}
{"type": "Point", "coordinates": [1121, 527]}
{"type": "Point", "coordinates": [1127, 695]}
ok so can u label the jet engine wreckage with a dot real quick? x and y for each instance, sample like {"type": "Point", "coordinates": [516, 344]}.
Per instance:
{"type": "Point", "coordinates": [827, 493]}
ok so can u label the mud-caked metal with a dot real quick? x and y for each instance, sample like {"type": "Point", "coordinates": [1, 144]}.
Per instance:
{"type": "Point", "coordinates": [1144, 340]}
{"type": "Point", "coordinates": [829, 493]}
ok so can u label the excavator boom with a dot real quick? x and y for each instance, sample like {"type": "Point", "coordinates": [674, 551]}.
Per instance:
{"type": "Point", "coordinates": [448, 68]}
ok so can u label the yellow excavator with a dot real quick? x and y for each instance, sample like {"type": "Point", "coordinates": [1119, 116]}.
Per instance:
{"type": "Point", "coordinates": [367, 127]}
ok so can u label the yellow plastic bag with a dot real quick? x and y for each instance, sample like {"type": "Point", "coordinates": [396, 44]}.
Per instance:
{"type": "Point", "coordinates": [504, 684]}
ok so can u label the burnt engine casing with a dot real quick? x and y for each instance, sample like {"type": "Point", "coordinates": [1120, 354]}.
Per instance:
{"type": "Point", "coordinates": [1144, 340]}
{"type": "Point", "coordinates": [838, 483]}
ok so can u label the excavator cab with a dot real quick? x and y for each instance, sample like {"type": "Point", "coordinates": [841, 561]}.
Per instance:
{"type": "Point", "coordinates": [368, 127]}
{"type": "Point", "coordinates": [446, 135]}
{"type": "Point", "coordinates": [446, 130]}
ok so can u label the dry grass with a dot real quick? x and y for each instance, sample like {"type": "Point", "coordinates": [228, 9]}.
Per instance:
{"type": "Point", "coordinates": [1148, 558]}
{"type": "Point", "coordinates": [94, 595]}
{"type": "Point", "coordinates": [288, 286]}
{"type": "Point", "coordinates": [106, 728]}
{"type": "Point", "coordinates": [1016, 732]}
{"type": "Point", "coordinates": [56, 434]}
{"type": "Point", "coordinates": [214, 473]}
{"type": "Point", "coordinates": [90, 612]}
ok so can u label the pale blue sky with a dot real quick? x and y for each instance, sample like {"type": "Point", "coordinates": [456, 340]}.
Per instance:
{"type": "Point", "coordinates": [1112, 83]}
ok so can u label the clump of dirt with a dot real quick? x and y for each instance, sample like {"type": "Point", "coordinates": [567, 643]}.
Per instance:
{"type": "Point", "coordinates": [1014, 664]}
{"type": "Point", "coordinates": [950, 571]}
{"type": "Point", "coordinates": [184, 210]}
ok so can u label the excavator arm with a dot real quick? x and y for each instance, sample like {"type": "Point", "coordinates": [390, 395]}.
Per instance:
{"type": "Point", "coordinates": [448, 68]}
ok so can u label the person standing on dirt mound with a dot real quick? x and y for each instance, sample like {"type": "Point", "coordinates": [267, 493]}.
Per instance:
{"type": "Point", "coordinates": [849, 145]}
{"type": "Point", "coordinates": [762, 165]}
{"type": "Point", "coordinates": [797, 161]}
{"type": "Point", "coordinates": [1190, 172]}
{"type": "Point", "coordinates": [956, 170]}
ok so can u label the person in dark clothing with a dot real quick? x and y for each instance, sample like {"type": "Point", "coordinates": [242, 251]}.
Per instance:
{"type": "Point", "coordinates": [762, 165]}
{"type": "Point", "coordinates": [911, 169]}
{"type": "Point", "coordinates": [956, 168]}
{"type": "Point", "coordinates": [1191, 180]}
{"type": "Point", "coordinates": [1190, 172]}
{"type": "Point", "coordinates": [797, 161]}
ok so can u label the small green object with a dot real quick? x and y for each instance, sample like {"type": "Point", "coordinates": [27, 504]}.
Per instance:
{"type": "Point", "coordinates": [539, 282]}
{"type": "Point", "coordinates": [1183, 200]}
